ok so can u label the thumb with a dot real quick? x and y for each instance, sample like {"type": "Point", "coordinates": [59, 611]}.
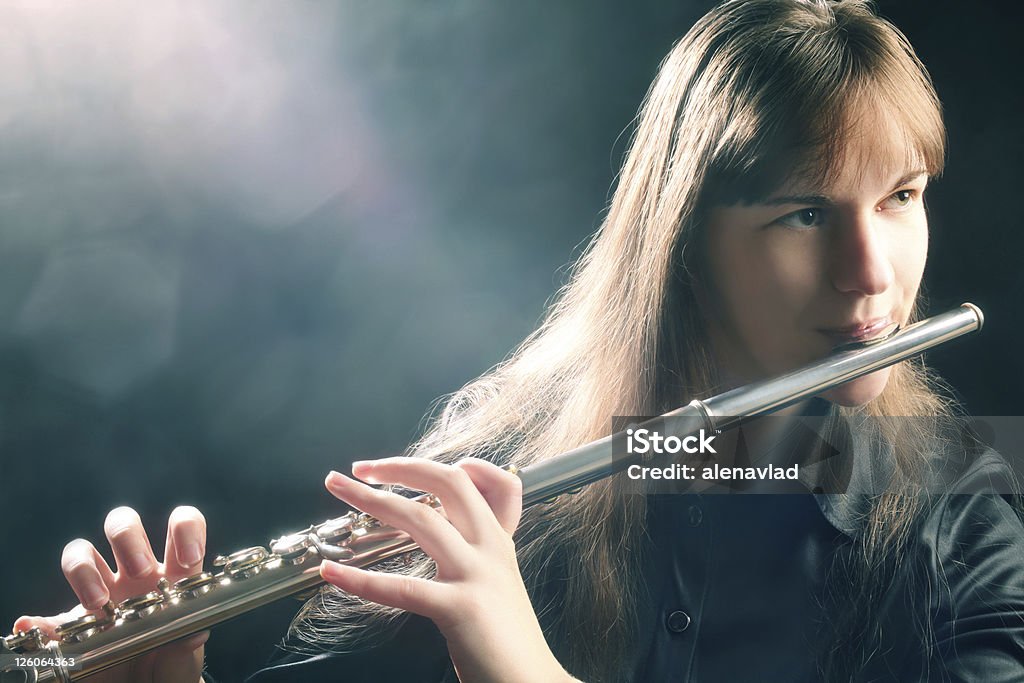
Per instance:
{"type": "Point", "coordinates": [502, 490]}
{"type": "Point", "coordinates": [180, 661]}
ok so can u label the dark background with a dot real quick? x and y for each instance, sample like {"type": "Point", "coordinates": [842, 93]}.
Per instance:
{"type": "Point", "coordinates": [244, 243]}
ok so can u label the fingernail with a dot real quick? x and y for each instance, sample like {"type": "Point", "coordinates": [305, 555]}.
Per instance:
{"type": "Point", "coordinates": [336, 479]}
{"type": "Point", "coordinates": [138, 564]}
{"type": "Point", "coordinates": [190, 554]}
{"type": "Point", "coordinates": [363, 469]}
{"type": "Point", "coordinates": [95, 596]}
{"type": "Point", "coordinates": [331, 571]}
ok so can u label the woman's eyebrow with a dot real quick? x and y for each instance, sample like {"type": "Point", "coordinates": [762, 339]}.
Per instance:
{"type": "Point", "coordinates": [912, 175]}
{"type": "Point", "coordinates": [815, 199]}
{"type": "Point", "coordinates": [825, 200]}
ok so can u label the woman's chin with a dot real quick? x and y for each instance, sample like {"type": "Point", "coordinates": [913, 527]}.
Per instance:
{"type": "Point", "coordinates": [859, 391]}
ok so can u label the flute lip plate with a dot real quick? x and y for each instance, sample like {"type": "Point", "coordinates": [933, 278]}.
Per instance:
{"type": "Point", "coordinates": [863, 344]}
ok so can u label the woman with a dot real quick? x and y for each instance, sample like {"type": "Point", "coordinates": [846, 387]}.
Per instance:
{"type": "Point", "coordinates": [771, 207]}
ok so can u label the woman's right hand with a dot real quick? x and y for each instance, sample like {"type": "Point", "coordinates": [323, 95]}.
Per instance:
{"type": "Point", "coordinates": [138, 571]}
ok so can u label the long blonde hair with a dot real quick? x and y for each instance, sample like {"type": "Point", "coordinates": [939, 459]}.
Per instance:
{"type": "Point", "coordinates": [751, 89]}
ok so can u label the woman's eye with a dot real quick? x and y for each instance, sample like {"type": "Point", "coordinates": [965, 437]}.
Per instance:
{"type": "Point", "coordinates": [900, 199]}
{"type": "Point", "coordinates": [802, 219]}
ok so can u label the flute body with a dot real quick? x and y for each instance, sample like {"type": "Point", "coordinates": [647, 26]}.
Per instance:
{"type": "Point", "coordinates": [256, 576]}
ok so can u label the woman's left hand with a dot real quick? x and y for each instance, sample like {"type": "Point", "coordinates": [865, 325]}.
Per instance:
{"type": "Point", "coordinates": [477, 598]}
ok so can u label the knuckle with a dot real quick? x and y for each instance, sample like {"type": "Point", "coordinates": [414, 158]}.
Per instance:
{"type": "Point", "coordinates": [379, 496]}
{"type": "Point", "coordinates": [422, 515]}
{"type": "Point", "coordinates": [508, 544]}
{"type": "Point", "coordinates": [408, 590]}
{"type": "Point", "coordinates": [458, 475]}
{"type": "Point", "coordinates": [463, 463]}
{"type": "Point", "coordinates": [476, 464]}
{"type": "Point", "coordinates": [513, 481]}
{"type": "Point", "coordinates": [490, 475]}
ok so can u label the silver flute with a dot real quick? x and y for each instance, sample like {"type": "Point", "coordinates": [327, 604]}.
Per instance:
{"type": "Point", "coordinates": [247, 579]}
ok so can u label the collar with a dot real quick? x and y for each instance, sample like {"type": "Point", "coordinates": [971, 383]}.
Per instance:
{"type": "Point", "coordinates": [857, 453]}
{"type": "Point", "coordinates": [850, 463]}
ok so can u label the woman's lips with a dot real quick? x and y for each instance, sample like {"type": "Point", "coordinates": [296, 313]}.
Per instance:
{"type": "Point", "coordinates": [859, 331]}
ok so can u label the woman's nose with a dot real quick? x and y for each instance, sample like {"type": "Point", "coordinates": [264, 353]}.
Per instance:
{"type": "Point", "coordinates": [861, 262]}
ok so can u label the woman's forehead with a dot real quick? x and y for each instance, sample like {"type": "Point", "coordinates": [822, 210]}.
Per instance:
{"type": "Point", "coordinates": [872, 150]}
{"type": "Point", "coordinates": [864, 139]}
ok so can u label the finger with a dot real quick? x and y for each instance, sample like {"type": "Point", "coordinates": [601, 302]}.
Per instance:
{"type": "Point", "coordinates": [502, 490]}
{"type": "Point", "coordinates": [181, 660]}
{"type": "Point", "coordinates": [464, 506]}
{"type": "Point", "coordinates": [186, 541]}
{"type": "Point", "coordinates": [47, 625]}
{"type": "Point", "coordinates": [413, 594]}
{"type": "Point", "coordinates": [128, 540]}
{"type": "Point", "coordinates": [87, 572]}
{"type": "Point", "coordinates": [435, 536]}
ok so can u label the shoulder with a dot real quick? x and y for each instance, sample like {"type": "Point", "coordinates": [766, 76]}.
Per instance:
{"type": "Point", "coordinates": [978, 507]}
{"type": "Point", "coordinates": [974, 550]}
{"type": "Point", "coordinates": [974, 528]}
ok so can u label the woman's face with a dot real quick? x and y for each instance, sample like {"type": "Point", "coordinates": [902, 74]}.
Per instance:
{"type": "Point", "coordinates": [811, 266]}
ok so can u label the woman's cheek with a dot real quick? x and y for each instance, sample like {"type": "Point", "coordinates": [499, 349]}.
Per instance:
{"type": "Point", "coordinates": [910, 253]}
